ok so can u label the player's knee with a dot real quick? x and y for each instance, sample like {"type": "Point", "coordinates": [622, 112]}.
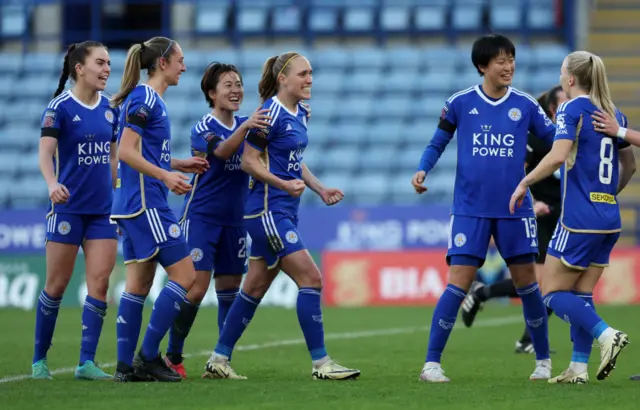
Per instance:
{"type": "Point", "coordinates": [311, 279]}
{"type": "Point", "coordinates": [97, 287]}
{"type": "Point", "coordinates": [199, 288]}
{"type": "Point", "coordinates": [56, 285]}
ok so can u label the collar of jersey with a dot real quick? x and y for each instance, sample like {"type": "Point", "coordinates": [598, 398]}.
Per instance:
{"type": "Point", "coordinates": [154, 91]}
{"type": "Point", "coordinates": [295, 114]}
{"type": "Point", "coordinates": [233, 127]}
{"type": "Point", "coordinates": [88, 107]}
{"type": "Point", "coordinates": [487, 100]}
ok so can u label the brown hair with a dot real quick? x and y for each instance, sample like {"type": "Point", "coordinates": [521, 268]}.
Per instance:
{"type": "Point", "coordinates": [76, 54]}
{"type": "Point", "coordinates": [142, 56]}
{"type": "Point", "coordinates": [274, 66]}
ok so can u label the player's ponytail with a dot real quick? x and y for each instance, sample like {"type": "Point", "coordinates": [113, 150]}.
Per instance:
{"type": "Point", "coordinates": [131, 76]}
{"type": "Point", "coordinates": [600, 94]}
{"type": "Point", "coordinates": [589, 71]}
{"type": "Point", "coordinates": [272, 69]}
{"type": "Point", "coordinates": [64, 75]}
{"type": "Point", "coordinates": [142, 56]}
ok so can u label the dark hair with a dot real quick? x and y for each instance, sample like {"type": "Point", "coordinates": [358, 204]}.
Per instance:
{"type": "Point", "coordinates": [274, 66]}
{"type": "Point", "coordinates": [212, 76]}
{"type": "Point", "coordinates": [142, 56]}
{"type": "Point", "coordinates": [549, 100]}
{"type": "Point", "coordinates": [76, 54]}
{"type": "Point", "coordinates": [488, 47]}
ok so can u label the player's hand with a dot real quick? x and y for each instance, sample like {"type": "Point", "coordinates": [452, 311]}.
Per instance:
{"type": "Point", "coordinates": [193, 165]}
{"type": "Point", "coordinates": [308, 108]}
{"type": "Point", "coordinates": [418, 180]}
{"type": "Point", "coordinates": [259, 119]}
{"type": "Point", "coordinates": [175, 181]}
{"type": "Point", "coordinates": [58, 193]}
{"type": "Point", "coordinates": [603, 123]}
{"type": "Point", "coordinates": [295, 187]}
{"type": "Point", "coordinates": [331, 196]}
{"type": "Point", "coordinates": [517, 197]}
{"type": "Point", "coordinates": [540, 208]}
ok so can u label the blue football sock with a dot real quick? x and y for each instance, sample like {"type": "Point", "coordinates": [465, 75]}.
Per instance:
{"type": "Point", "coordinates": [180, 329]}
{"type": "Point", "coordinates": [310, 319]}
{"type": "Point", "coordinates": [535, 315]}
{"type": "Point", "coordinates": [128, 325]}
{"type": "Point", "coordinates": [46, 317]}
{"type": "Point", "coordinates": [165, 310]}
{"type": "Point", "coordinates": [239, 317]}
{"type": "Point", "coordinates": [582, 340]}
{"type": "Point", "coordinates": [225, 300]}
{"type": "Point", "coordinates": [574, 310]}
{"type": "Point", "coordinates": [444, 318]}
{"type": "Point", "coordinates": [93, 315]}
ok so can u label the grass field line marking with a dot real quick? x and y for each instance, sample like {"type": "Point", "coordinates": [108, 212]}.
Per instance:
{"type": "Point", "coordinates": [494, 322]}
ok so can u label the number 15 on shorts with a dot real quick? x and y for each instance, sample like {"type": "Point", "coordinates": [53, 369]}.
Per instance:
{"type": "Point", "coordinates": [530, 227]}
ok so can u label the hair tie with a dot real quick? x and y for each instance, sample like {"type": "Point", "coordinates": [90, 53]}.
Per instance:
{"type": "Point", "coordinates": [142, 46]}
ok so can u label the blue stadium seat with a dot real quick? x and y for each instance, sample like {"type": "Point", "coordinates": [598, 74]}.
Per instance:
{"type": "Point", "coordinates": [7, 84]}
{"type": "Point", "coordinates": [10, 63]}
{"type": "Point", "coordinates": [359, 18]}
{"type": "Point", "coordinates": [26, 112]}
{"type": "Point", "coordinates": [372, 187]}
{"type": "Point", "coordinates": [331, 58]}
{"type": "Point", "coordinates": [28, 164]}
{"type": "Point", "coordinates": [286, 20]}
{"type": "Point", "coordinates": [20, 136]}
{"type": "Point", "coordinates": [399, 59]}
{"type": "Point", "coordinates": [356, 107]}
{"type": "Point", "coordinates": [506, 15]}
{"type": "Point", "coordinates": [363, 82]}
{"type": "Point", "coordinates": [254, 58]}
{"type": "Point", "coordinates": [319, 132]}
{"type": "Point", "coordinates": [430, 18]}
{"type": "Point", "coordinates": [37, 86]}
{"type": "Point", "coordinates": [341, 158]}
{"type": "Point", "coordinates": [324, 16]}
{"type": "Point", "coordinates": [223, 55]}
{"type": "Point", "coordinates": [394, 107]}
{"type": "Point", "coordinates": [467, 18]}
{"type": "Point", "coordinates": [327, 82]}
{"type": "Point", "coordinates": [349, 133]}
{"type": "Point", "coordinates": [252, 19]}
{"type": "Point", "coordinates": [314, 156]}
{"type": "Point", "coordinates": [28, 192]}
{"type": "Point", "coordinates": [440, 58]}
{"type": "Point", "coordinates": [43, 61]}
{"type": "Point", "coordinates": [386, 132]}
{"type": "Point", "coordinates": [442, 82]}
{"type": "Point", "coordinates": [549, 55]}
{"type": "Point", "coordinates": [8, 162]}
{"type": "Point", "coordinates": [322, 108]}
{"type": "Point", "coordinates": [14, 20]}
{"type": "Point", "coordinates": [401, 82]}
{"type": "Point", "coordinates": [541, 16]}
{"type": "Point", "coordinates": [395, 18]}
{"type": "Point", "coordinates": [335, 179]}
{"type": "Point", "coordinates": [368, 58]}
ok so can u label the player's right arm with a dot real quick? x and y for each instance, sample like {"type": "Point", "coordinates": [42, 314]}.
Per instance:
{"type": "Point", "coordinates": [628, 167]}
{"type": "Point", "coordinates": [441, 137]}
{"type": "Point", "coordinates": [137, 115]}
{"type": "Point", "coordinates": [50, 132]}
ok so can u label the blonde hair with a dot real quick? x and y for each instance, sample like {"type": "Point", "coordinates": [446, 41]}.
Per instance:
{"type": "Point", "coordinates": [590, 73]}
{"type": "Point", "coordinates": [274, 66]}
{"type": "Point", "coordinates": [141, 56]}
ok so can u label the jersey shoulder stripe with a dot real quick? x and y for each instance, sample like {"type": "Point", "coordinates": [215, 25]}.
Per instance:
{"type": "Point", "coordinates": [275, 109]}
{"type": "Point", "coordinates": [523, 94]}
{"type": "Point", "coordinates": [460, 93]}
{"type": "Point", "coordinates": [58, 100]}
{"type": "Point", "coordinates": [150, 96]}
{"type": "Point", "coordinates": [202, 125]}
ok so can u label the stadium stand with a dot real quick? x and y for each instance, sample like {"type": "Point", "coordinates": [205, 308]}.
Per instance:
{"type": "Point", "coordinates": [374, 106]}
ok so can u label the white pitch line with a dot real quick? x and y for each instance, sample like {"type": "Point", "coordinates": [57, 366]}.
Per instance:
{"type": "Point", "coordinates": [495, 322]}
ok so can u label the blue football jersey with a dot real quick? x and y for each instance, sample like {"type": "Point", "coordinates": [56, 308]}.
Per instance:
{"type": "Point", "coordinates": [590, 174]}
{"type": "Point", "coordinates": [145, 113]}
{"type": "Point", "coordinates": [219, 195]}
{"type": "Point", "coordinates": [492, 147]}
{"type": "Point", "coordinates": [283, 144]}
{"type": "Point", "coordinates": [82, 160]}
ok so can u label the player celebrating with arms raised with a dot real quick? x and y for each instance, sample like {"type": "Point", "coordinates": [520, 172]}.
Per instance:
{"type": "Point", "coordinates": [590, 224]}
{"type": "Point", "coordinates": [213, 214]}
{"type": "Point", "coordinates": [492, 121]}
{"type": "Point", "coordinates": [150, 229]}
{"type": "Point", "coordinates": [273, 158]}
{"type": "Point", "coordinates": [79, 134]}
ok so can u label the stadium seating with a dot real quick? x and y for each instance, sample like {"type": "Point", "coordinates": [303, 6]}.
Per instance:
{"type": "Point", "coordinates": [374, 108]}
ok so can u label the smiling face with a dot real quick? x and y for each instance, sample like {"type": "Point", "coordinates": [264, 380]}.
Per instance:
{"type": "Point", "coordinates": [95, 70]}
{"type": "Point", "coordinates": [500, 70]}
{"type": "Point", "coordinates": [229, 92]}
{"type": "Point", "coordinates": [173, 66]}
{"type": "Point", "coordinates": [297, 79]}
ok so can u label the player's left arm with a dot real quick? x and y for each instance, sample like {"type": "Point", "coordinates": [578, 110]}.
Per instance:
{"type": "Point", "coordinates": [541, 125]}
{"type": "Point", "coordinates": [628, 164]}
{"type": "Point", "coordinates": [330, 196]}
